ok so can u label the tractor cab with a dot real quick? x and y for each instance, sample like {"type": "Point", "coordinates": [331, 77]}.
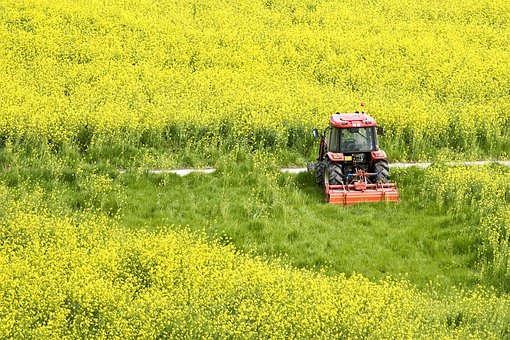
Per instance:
{"type": "Point", "coordinates": [352, 140]}
{"type": "Point", "coordinates": [352, 132]}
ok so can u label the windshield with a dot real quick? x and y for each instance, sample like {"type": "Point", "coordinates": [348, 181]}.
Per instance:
{"type": "Point", "coordinates": [351, 140]}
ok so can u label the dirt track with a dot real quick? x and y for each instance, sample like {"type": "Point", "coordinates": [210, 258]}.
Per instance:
{"type": "Point", "coordinates": [184, 172]}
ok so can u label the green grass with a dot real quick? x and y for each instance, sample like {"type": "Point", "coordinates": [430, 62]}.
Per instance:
{"type": "Point", "coordinates": [249, 203]}
{"type": "Point", "coordinates": [376, 240]}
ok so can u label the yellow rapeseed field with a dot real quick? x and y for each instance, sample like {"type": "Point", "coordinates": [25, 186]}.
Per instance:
{"type": "Point", "coordinates": [84, 276]}
{"type": "Point", "coordinates": [100, 72]}
{"type": "Point", "coordinates": [435, 73]}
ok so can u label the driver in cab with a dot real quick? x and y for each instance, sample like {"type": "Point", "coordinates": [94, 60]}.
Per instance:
{"type": "Point", "coordinates": [354, 140]}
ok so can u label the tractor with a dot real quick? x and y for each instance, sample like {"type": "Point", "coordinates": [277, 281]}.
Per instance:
{"type": "Point", "coordinates": [350, 166]}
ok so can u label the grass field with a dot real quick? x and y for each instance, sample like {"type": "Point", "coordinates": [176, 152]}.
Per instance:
{"type": "Point", "coordinates": [415, 255]}
{"type": "Point", "coordinates": [249, 203]}
{"type": "Point", "coordinates": [287, 217]}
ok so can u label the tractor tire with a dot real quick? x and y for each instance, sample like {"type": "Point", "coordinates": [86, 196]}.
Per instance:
{"type": "Point", "coordinates": [319, 173]}
{"type": "Point", "coordinates": [382, 169]}
{"type": "Point", "coordinates": [335, 173]}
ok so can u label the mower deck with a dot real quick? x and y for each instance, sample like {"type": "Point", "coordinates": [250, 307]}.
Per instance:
{"type": "Point", "coordinates": [361, 192]}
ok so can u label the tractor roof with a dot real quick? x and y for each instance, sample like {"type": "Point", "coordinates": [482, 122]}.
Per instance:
{"type": "Point", "coordinates": [347, 120]}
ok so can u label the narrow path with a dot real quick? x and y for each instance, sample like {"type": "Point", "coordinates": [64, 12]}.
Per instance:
{"type": "Point", "coordinates": [184, 172]}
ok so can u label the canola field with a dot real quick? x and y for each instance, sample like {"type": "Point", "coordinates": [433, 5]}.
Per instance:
{"type": "Point", "coordinates": [83, 276]}
{"type": "Point", "coordinates": [258, 73]}
{"type": "Point", "coordinates": [85, 83]}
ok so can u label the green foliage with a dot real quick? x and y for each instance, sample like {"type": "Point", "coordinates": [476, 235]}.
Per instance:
{"type": "Point", "coordinates": [248, 202]}
{"type": "Point", "coordinates": [480, 197]}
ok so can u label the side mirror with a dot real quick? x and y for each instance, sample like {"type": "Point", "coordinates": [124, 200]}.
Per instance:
{"type": "Point", "coordinates": [315, 133]}
{"type": "Point", "coordinates": [380, 130]}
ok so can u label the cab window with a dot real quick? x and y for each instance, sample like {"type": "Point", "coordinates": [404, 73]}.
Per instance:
{"type": "Point", "coordinates": [334, 140]}
{"type": "Point", "coordinates": [356, 139]}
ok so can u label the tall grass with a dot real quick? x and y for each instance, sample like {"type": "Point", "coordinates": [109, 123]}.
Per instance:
{"type": "Point", "coordinates": [249, 203]}
{"type": "Point", "coordinates": [480, 197]}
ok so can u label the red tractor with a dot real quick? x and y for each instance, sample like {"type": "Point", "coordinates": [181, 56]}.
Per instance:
{"type": "Point", "coordinates": [350, 166]}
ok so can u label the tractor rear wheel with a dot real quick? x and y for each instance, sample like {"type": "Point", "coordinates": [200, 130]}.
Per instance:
{"type": "Point", "coordinates": [335, 173]}
{"type": "Point", "coordinates": [382, 169]}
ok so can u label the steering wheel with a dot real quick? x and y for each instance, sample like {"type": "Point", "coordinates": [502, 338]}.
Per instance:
{"type": "Point", "coordinates": [348, 144]}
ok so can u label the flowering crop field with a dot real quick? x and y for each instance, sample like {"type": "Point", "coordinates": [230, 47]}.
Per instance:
{"type": "Point", "coordinates": [83, 276]}
{"type": "Point", "coordinates": [262, 73]}
{"type": "Point", "coordinates": [231, 83]}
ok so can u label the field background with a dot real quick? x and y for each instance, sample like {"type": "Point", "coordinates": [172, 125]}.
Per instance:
{"type": "Point", "coordinates": [89, 89]}
{"type": "Point", "coordinates": [141, 76]}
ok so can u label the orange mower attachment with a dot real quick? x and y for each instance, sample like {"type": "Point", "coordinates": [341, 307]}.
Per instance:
{"type": "Point", "coordinates": [360, 189]}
